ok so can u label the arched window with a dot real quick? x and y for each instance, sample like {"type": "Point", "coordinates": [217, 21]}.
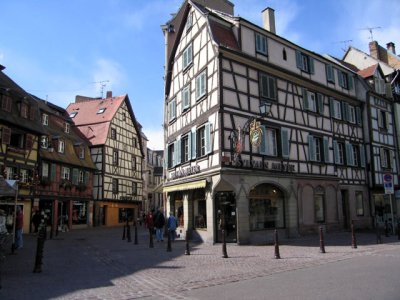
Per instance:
{"type": "Point", "coordinates": [284, 54]}
{"type": "Point", "coordinates": [266, 207]}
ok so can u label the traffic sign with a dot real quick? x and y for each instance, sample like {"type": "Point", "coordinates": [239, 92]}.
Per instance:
{"type": "Point", "coordinates": [387, 177]}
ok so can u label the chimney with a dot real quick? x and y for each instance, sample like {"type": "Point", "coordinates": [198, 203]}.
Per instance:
{"type": "Point", "coordinates": [268, 16]}
{"type": "Point", "coordinates": [390, 48]}
{"type": "Point", "coordinates": [373, 49]}
{"type": "Point", "coordinates": [109, 94]}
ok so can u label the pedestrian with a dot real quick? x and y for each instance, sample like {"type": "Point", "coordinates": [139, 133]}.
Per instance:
{"type": "Point", "coordinates": [150, 221]}
{"type": "Point", "coordinates": [144, 219]}
{"type": "Point", "coordinates": [19, 224]}
{"type": "Point", "coordinates": [159, 222]}
{"type": "Point", "coordinates": [171, 224]}
{"type": "Point", "coordinates": [36, 219]}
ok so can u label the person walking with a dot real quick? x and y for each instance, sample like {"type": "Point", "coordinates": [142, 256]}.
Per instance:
{"type": "Point", "coordinates": [159, 222]}
{"type": "Point", "coordinates": [150, 221]}
{"type": "Point", "coordinates": [19, 224]}
{"type": "Point", "coordinates": [171, 225]}
{"type": "Point", "coordinates": [36, 219]}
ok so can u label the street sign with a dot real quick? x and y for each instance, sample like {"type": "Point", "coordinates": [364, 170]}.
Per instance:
{"type": "Point", "coordinates": [388, 183]}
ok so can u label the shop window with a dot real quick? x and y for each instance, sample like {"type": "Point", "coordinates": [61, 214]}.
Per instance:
{"type": "Point", "coordinates": [266, 208]}
{"type": "Point", "coordinates": [319, 209]}
{"type": "Point", "coordinates": [200, 210]}
{"type": "Point", "coordinates": [79, 212]}
{"type": "Point", "coordinates": [124, 213]}
{"type": "Point", "coordinates": [359, 204]}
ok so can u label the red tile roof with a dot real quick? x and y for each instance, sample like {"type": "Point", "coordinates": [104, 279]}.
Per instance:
{"type": "Point", "coordinates": [93, 123]}
{"type": "Point", "coordinates": [223, 35]}
{"type": "Point", "coordinates": [368, 72]}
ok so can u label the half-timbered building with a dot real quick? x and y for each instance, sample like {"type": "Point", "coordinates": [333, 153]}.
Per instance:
{"type": "Point", "coordinates": [20, 130]}
{"type": "Point", "coordinates": [260, 133]}
{"type": "Point", "coordinates": [116, 149]}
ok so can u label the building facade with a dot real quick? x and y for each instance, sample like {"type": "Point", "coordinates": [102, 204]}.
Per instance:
{"type": "Point", "coordinates": [155, 182]}
{"type": "Point", "coordinates": [116, 150]}
{"type": "Point", "coordinates": [261, 134]}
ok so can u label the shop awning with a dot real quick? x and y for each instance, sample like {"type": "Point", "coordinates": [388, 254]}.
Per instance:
{"type": "Point", "coordinates": [186, 186]}
{"type": "Point", "coordinates": [7, 187]}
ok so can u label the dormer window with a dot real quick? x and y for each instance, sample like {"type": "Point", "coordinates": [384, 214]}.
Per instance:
{"type": "Point", "coordinates": [81, 152]}
{"type": "Point", "coordinates": [73, 114]}
{"type": "Point", "coordinates": [45, 119]}
{"type": "Point", "coordinates": [261, 44]}
{"type": "Point", "coordinates": [189, 21]}
{"type": "Point", "coordinates": [67, 127]}
{"type": "Point", "coordinates": [101, 110]}
{"type": "Point", "coordinates": [24, 110]}
{"type": "Point", "coordinates": [44, 142]}
{"type": "Point", "coordinates": [61, 146]}
{"type": "Point", "coordinates": [304, 62]}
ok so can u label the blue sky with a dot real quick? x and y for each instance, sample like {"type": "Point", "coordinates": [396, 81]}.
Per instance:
{"type": "Point", "coordinates": [59, 49]}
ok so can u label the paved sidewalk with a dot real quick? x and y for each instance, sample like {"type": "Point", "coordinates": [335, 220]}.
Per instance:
{"type": "Point", "coordinates": [96, 263]}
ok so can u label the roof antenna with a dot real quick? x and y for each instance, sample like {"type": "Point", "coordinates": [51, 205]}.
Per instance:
{"type": "Point", "coordinates": [345, 43]}
{"type": "Point", "coordinates": [103, 84]}
{"type": "Point", "coordinates": [370, 29]}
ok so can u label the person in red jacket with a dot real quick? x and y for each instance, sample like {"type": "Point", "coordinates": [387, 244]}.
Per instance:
{"type": "Point", "coordinates": [19, 224]}
{"type": "Point", "coordinates": [150, 221]}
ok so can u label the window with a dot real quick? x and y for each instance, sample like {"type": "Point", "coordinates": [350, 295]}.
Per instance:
{"type": "Point", "coordinates": [133, 163]}
{"type": "Point", "coordinates": [24, 110]}
{"type": "Point", "coordinates": [284, 55]}
{"type": "Point", "coordinates": [309, 100]}
{"type": "Point", "coordinates": [185, 98]}
{"type": "Point", "coordinates": [115, 186]}
{"type": "Point", "coordinates": [187, 56]}
{"type": "Point", "coordinates": [319, 207]}
{"type": "Point", "coordinates": [45, 119]}
{"type": "Point", "coordinates": [67, 127]}
{"type": "Point", "coordinates": [383, 120]}
{"type": "Point", "coordinates": [359, 203]}
{"type": "Point", "coordinates": [315, 150]}
{"type": "Point", "coordinates": [330, 74]}
{"type": "Point", "coordinates": [345, 80]}
{"type": "Point", "coordinates": [386, 158]}
{"type": "Point", "coordinates": [61, 146]}
{"type": "Point", "coordinates": [171, 155]}
{"type": "Point", "coordinates": [268, 144]}
{"type": "Point", "coordinates": [397, 88]}
{"type": "Point", "coordinates": [10, 173]}
{"type": "Point", "coordinates": [268, 86]}
{"type": "Point", "coordinates": [201, 86]}
{"type": "Point", "coordinates": [261, 44]}
{"type": "Point", "coordinates": [203, 140]}
{"type": "Point", "coordinates": [6, 103]}
{"type": "Point", "coordinates": [73, 114]}
{"type": "Point", "coordinates": [23, 175]}
{"type": "Point", "coordinates": [172, 110]}
{"type": "Point", "coordinates": [44, 142]}
{"type": "Point", "coordinates": [134, 188]}
{"type": "Point", "coordinates": [266, 208]}
{"type": "Point", "coordinates": [304, 62]}
{"type": "Point", "coordinates": [356, 155]}
{"type": "Point", "coordinates": [134, 142]}
{"type": "Point", "coordinates": [351, 114]}
{"type": "Point", "coordinates": [101, 110]}
{"type": "Point", "coordinates": [189, 21]}
{"type": "Point", "coordinates": [16, 139]}
{"type": "Point", "coordinates": [115, 158]}
{"type": "Point", "coordinates": [65, 173]}
{"type": "Point", "coordinates": [185, 149]}
{"type": "Point", "coordinates": [113, 133]}
{"type": "Point", "coordinates": [45, 170]}
{"type": "Point", "coordinates": [380, 86]}
{"type": "Point", "coordinates": [81, 152]}
{"type": "Point", "coordinates": [338, 151]}
{"type": "Point", "coordinates": [81, 177]}
{"type": "Point", "coordinates": [336, 109]}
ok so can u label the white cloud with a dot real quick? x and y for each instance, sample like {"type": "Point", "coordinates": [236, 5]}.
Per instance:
{"type": "Point", "coordinates": [155, 137]}
{"type": "Point", "coordinates": [107, 72]}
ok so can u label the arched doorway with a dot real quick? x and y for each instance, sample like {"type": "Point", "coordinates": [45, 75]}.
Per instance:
{"type": "Point", "coordinates": [266, 207]}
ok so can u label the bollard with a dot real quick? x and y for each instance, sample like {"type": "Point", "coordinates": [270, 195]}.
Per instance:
{"type": "Point", "coordinates": [128, 231]}
{"type": "Point", "coordinates": [39, 250]}
{"type": "Point", "coordinates": [277, 255]}
{"type": "Point", "coordinates": [123, 233]}
{"type": "Point", "coordinates": [151, 244]}
{"type": "Point", "coordinates": [169, 249]}
{"type": "Point", "coordinates": [187, 251]}
{"type": "Point", "coordinates": [224, 253]}
{"type": "Point", "coordinates": [136, 237]}
{"type": "Point", "coordinates": [321, 240]}
{"type": "Point", "coordinates": [353, 237]}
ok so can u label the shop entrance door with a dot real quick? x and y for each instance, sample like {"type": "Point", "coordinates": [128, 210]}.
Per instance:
{"type": "Point", "coordinates": [225, 210]}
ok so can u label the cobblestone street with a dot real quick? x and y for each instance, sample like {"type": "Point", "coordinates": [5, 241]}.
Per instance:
{"type": "Point", "coordinates": [96, 263]}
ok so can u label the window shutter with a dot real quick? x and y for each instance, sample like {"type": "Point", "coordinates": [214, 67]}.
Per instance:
{"type": "Point", "coordinates": [340, 78]}
{"type": "Point", "coordinates": [391, 159]}
{"type": "Point", "coordinates": [387, 116]}
{"type": "Point", "coordinates": [362, 156]}
{"type": "Point", "coordinates": [208, 137]}
{"type": "Point", "coordinates": [311, 148]}
{"type": "Point", "coordinates": [350, 81]}
{"type": "Point", "coordinates": [194, 149]}
{"type": "Point", "coordinates": [263, 148]}
{"type": "Point", "coordinates": [6, 135]}
{"type": "Point", "coordinates": [330, 73]}
{"type": "Point", "coordinates": [285, 142]}
{"type": "Point", "coordinates": [358, 115]}
{"type": "Point", "coordinates": [388, 90]}
{"type": "Point", "coordinates": [86, 178]}
{"type": "Point", "coordinates": [349, 154]}
{"type": "Point", "coordinates": [29, 141]}
{"type": "Point", "coordinates": [178, 151]}
{"type": "Point", "coordinates": [320, 103]}
{"type": "Point", "coordinates": [326, 149]}
{"type": "Point", "coordinates": [166, 156]}
{"type": "Point", "coordinates": [332, 107]}
{"type": "Point", "coordinates": [336, 152]}
{"type": "Point", "coordinates": [345, 110]}
{"type": "Point", "coordinates": [383, 160]}
{"type": "Point", "coordinates": [298, 60]}
{"type": "Point", "coordinates": [75, 176]}
{"type": "Point", "coordinates": [32, 112]}
{"type": "Point", "coordinates": [175, 157]}
{"type": "Point", "coordinates": [53, 170]}
{"type": "Point", "coordinates": [271, 87]}
{"type": "Point", "coordinates": [189, 145]}
{"type": "Point", "coordinates": [311, 61]}
{"type": "Point", "coordinates": [305, 99]}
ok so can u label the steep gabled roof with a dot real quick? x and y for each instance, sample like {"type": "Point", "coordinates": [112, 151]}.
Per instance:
{"type": "Point", "coordinates": [369, 71]}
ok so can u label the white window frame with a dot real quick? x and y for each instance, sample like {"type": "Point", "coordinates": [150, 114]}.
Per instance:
{"type": "Point", "coordinates": [44, 142]}
{"type": "Point", "coordinates": [186, 97]}
{"type": "Point", "coordinates": [261, 44]}
{"type": "Point", "coordinates": [189, 21]}
{"type": "Point", "coordinates": [187, 56]}
{"type": "Point", "coordinates": [24, 175]}
{"type": "Point", "coordinates": [81, 177]}
{"type": "Point", "coordinates": [201, 85]}
{"type": "Point", "coordinates": [45, 119]}
{"type": "Point", "coordinates": [352, 114]}
{"type": "Point", "coordinates": [172, 110]}
{"type": "Point", "coordinates": [67, 127]}
{"type": "Point", "coordinates": [337, 109]}
{"type": "Point", "coordinates": [82, 153]}
{"type": "Point", "coordinates": [45, 170]}
{"type": "Point", "coordinates": [65, 173]}
{"type": "Point", "coordinates": [61, 146]}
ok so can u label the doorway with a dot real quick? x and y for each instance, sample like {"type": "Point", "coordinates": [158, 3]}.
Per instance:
{"type": "Point", "coordinates": [225, 210]}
